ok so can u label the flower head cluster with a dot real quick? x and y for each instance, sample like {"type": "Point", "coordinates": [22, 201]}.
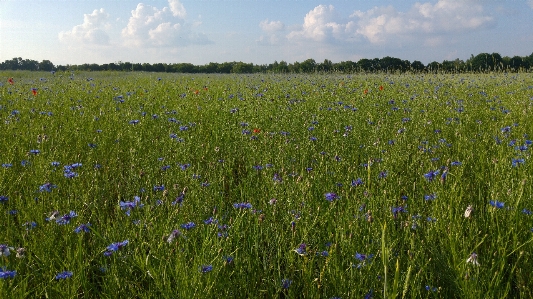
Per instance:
{"type": "Point", "coordinates": [430, 176]}
{"type": "Point", "coordinates": [330, 196]}
{"type": "Point", "coordinates": [3, 198]}
{"type": "Point", "coordinates": [130, 205]}
{"type": "Point", "coordinates": [188, 225]}
{"type": "Point", "coordinates": [497, 204]}
{"type": "Point", "coordinates": [65, 219]}
{"type": "Point", "coordinates": [242, 205]}
{"type": "Point", "coordinates": [68, 170]}
{"type": "Point", "coordinates": [363, 259]}
{"type": "Point", "coordinates": [115, 247]}
{"type": "Point", "coordinates": [5, 250]}
{"type": "Point", "coordinates": [47, 187]}
{"type": "Point", "coordinates": [205, 268]}
{"type": "Point", "coordinates": [7, 274]}
{"type": "Point", "coordinates": [301, 250]}
{"type": "Point", "coordinates": [83, 228]}
{"type": "Point", "coordinates": [64, 275]}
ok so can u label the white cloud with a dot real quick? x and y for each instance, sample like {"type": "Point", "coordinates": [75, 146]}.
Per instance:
{"type": "Point", "coordinates": [150, 26]}
{"type": "Point", "coordinates": [381, 25]}
{"type": "Point", "coordinates": [272, 26]}
{"type": "Point", "coordinates": [92, 31]}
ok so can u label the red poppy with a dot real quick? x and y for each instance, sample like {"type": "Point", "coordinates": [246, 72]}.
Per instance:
{"type": "Point", "coordinates": [10, 80]}
{"type": "Point", "coordinates": [366, 91]}
{"type": "Point", "coordinates": [381, 87]}
{"type": "Point", "coordinates": [34, 91]}
{"type": "Point", "coordinates": [257, 131]}
{"type": "Point", "coordinates": [196, 91]}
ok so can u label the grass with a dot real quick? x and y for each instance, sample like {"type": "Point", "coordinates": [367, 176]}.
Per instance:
{"type": "Point", "coordinates": [250, 160]}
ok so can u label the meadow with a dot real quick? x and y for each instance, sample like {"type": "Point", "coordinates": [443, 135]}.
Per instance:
{"type": "Point", "coordinates": [144, 185]}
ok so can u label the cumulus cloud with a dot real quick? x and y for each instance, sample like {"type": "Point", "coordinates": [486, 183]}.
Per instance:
{"type": "Point", "coordinates": [272, 26]}
{"type": "Point", "coordinates": [92, 31]}
{"type": "Point", "coordinates": [382, 24]}
{"type": "Point", "coordinates": [151, 26]}
{"type": "Point", "coordinates": [273, 30]}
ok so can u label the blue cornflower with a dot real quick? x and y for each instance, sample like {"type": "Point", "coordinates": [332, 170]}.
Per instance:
{"type": "Point", "coordinates": [65, 219]}
{"type": "Point", "coordinates": [430, 176]}
{"type": "Point", "coordinates": [4, 250]}
{"type": "Point", "coordinates": [331, 196]}
{"type": "Point", "coordinates": [228, 259]}
{"type": "Point", "coordinates": [430, 288]}
{"type": "Point", "coordinates": [114, 247]}
{"type": "Point", "coordinates": [363, 258]}
{"type": "Point", "coordinates": [313, 138]}
{"type": "Point", "coordinates": [357, 182]}
{"type": "Point", "coordinates": [517, 162]}
{"type": "Point", "coordinates": [242, 205]}
{"type": "Point", "coordinates": [184, 166]}
{"type": "Point", "coordinates": [301, 250]}
{"type": "Point", "coordinates": [134, 122]}
{"type": "Point", "coordinates": [324, 253]}
{"type": "Point", "coordinates": [430, 196]}
{"type": "Point", "coordinates": [206, 268]}
{"type": "Point", "coordinates": [179, 199]}
{"type": "Point", "coordinates": [55, 163]}
{"type": "Point", "coordinates": [47, 187]}
{"type": "Point", "coordinates": [456, 163]}
{"type": "Point", "coordinates": [25, 162]}
{"type": "Point", "coordinates": [188, 225]}
{"type": "Point", "coordinates": [382, 174]}
{"type": "Point", "coordinates": [159, 188]}
{"type": "Point", "coordinates": [210, 220]}
{"type": "Point", "coordinates": [7, 274]}
{"type": "Point", "coordinates": [3, 198]}
{"type": "Point", "coordinates": [7, 165]}
{"type": "Point", "coordinates": [526, 211]}
{"type": "Point", "coordinates": [83, 228]}
{"type": "Point", "coordinates": [35, 151]}
{"type": "Point", "coordinates": [286, 283]}
{"type": "Point", "coordinates": [496, 204]}
{"type": "Point", "coordinates": [64, 275]}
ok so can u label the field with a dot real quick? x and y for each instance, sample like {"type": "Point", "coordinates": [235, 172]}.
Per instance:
{"type": "Point", "coordinates": [266, 186]}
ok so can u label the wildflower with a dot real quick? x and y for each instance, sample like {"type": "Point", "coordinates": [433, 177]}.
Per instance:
{"type": "Point", "coordinates": [363, 258]}
{"type": "Point", "coordinates": [82, 228]}
{"type": "Point", "coordinates": [430, 196]}
{"type": "Point", "coordinates": [134, 122]}
{"type": "Point", "coordinates": [4, 250]}
{"type": "Point", "coordinates": [179, 199]}
{"type": "Point", "coordinates": [114, 247]}
{"type": "Point", "coordinates": [430, 288]}
{"type": "Point", "coordinates": [369, 295]}
{"type": "Point", "coordinates": [35, 151]}
{"type": "Point", "coordinates": [430, 176]}
{"type": "Point", "coordinates": [10, 80]}
{"type": "Point", "coordinates": [20, 252]}
{"type": "Point", "coordinates": [357, 182]}
{"type": "Point", "coordinates": [331, 196]}
{"type": "Point", "coordinates": [7, 274]}
{"type": "Point", "coordinates": [382, 175]}
{"type": "Point", "coordinates": [517, 162]}
{"type": "Point", "coordinates": [324, 253]}
{"type": "Point", "coordinates": [65, 219]}
{"type": "Point", "coordinates": [55, 163]}
{"type": "Point", "coordinates": [242, 205]}
{"type": "Point", "coordinates": [7, 165]}
{"type": "Point", "coordinates": [129, 205]}
{"type": "Point", "coordinates": [312, 138]}
{"type": "Point", "coordinates": [496, 204]}
{"type": "Point", "coordinates": [228, 259]}
{"type": "Point", "coordinates": [3, 198]}
{"type": "Point", "coordinates": [277, 178]}
{"type": "Point", "coordinates": [34, 91]}
{"type": "Point", "coordinates": [47, 187]}
{"type": "Point", "coordinates": [210, 220]}
{"type": "Point", "coordinates": [468, 211]}
{"type": "Point", "coordinates": [159, 188]}
{"type": "Point", "coordinates": [52, 216]}
{"type": "Point", "coordinates": [286, 283]}
{"type": "Point", "coordinates": [188, 225]}
{"type": "Point", "coordinates": [206, 268]}
{"type": "Point", "coordinates": [301, 250]}
{"type": "Point", "coordinates": [527, 212]}
{"type": "Point", "coordinates": [272, 201]}
{"type": "Point", "coordinates": [473, 259]}
{"type": "Point", "coordinates": [64, 275]}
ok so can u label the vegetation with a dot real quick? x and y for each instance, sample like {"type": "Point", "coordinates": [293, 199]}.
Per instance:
{"type": "Point", "coordinates": [483, 62]}
{"type": "Point", "coordinates": [265, 185]}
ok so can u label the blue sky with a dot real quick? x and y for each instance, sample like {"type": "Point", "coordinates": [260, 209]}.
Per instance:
{"type": "Point", "coordinates": [261, 31]}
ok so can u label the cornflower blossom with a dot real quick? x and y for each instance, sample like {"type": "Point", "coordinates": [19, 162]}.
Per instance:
{"type": "Point", "coordinates": [3, 198]}
{"type": "Point", "coordinates": [357, 182]}
{"type": "Point", "coordinates": [205, 268]}
{"type": "Point", "coordinates": [47, 187]}
{"type": "Point", "coordinates": [82, 228]}
{"type": "Point", "coordinates": [5, 250]}
{"type": "Point", "coordinates": [115, 247]}
{"type": "Point", "coordinates": [497, 204]}
{"type": "Point", "coordinates": [179, 199]}
{"type": "Point", "coordinates": [301, 250]}
{"type": "Point", "coordinates": [430, 176]}
{"type": "Point", "coordinates": [363, 258]}
{"type": "Point", "coordinates": [285, 283]}
{"type": "Point", "coordinates": [159, 188]}
{"type": "Point", "coordinates": [7, 273]}
{"type": "Point", "coordinates": [517, 162]}
{"type": "Point", "coordinates": [331, 196]}
{"type": "Point", "coordinates": [64, 275]}
{"type": "Point", "coordinates": [242, 205]}
{"type": "Point", "coordinates": [130, 205]}
{"type": "Point", "coordinates": [65, 219]}
{"type": "Point", "coordinates": [430, 196]}
{"type": "Point", "coordinates": [188, 225]}
{"type": "Point", "coordinates": [35, 151]}
{"type": "Point", "coordinates": [382, 174]}
{"type": "Point", "coordinates": [473, 259]}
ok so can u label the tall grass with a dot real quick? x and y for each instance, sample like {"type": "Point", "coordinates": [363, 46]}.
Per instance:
{"type": "Point", "coordinates": [298, 186]}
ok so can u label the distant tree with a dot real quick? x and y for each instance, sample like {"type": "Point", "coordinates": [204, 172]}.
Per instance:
{"type": "Point", "coordinates": [46, 65]}
{"type": "Point", "coordinates": [417, 66]}
{"type": "Point", "coordinates": [308, 66]}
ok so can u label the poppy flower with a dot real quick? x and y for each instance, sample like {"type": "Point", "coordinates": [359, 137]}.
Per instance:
{"type": "Point", "coordinates": [366, 91]}
{"type": "Point", "coordinates": [196, 91]}
{"type": "Point", "coordinates": [34, 91]}
{"type": "Point", "coordinates": [381, 87]}
{"type": "Point", "coordinates": [257, 131]}
{"type": "Point", "coordinates": [10, 80]}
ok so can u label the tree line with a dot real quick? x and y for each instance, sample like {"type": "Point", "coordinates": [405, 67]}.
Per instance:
{"type": "Point", "coordinates": [483, 62]}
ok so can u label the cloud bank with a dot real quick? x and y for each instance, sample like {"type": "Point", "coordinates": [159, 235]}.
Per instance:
{"type": "Point", "coordinates": [92, 31]}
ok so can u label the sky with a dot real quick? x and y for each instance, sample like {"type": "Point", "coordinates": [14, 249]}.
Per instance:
{"type": "Point", "coordinates": [262, 31]}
